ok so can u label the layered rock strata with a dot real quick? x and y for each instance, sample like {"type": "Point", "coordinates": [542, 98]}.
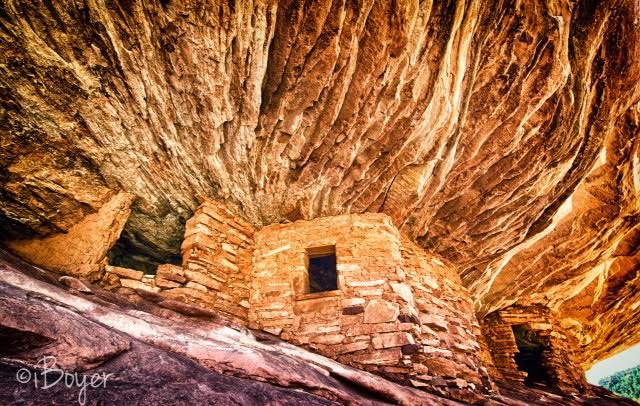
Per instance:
{"type": "Point", "coordinates": [502, 136]}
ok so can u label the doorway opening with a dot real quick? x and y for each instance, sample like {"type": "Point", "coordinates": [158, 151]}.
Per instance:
{"type": "Point", "coordinates": [530, 355]}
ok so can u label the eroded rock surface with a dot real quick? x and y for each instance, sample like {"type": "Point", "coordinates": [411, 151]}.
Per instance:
{"type": "Point", "coordinates": [156, 356]}
{"type": "Point", "coordinates": [82, 250]}
{"type": "Point", "coordinates": [501, 135]}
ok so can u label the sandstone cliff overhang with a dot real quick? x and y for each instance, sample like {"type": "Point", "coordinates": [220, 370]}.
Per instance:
{"type": "Point", "coordinates": [503, 136]}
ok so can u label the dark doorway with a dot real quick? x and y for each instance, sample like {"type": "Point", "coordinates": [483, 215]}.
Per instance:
{"type": "Point", "coordinates": [322, 269]}
{"type": "Point", "coordinates": [530, 356]}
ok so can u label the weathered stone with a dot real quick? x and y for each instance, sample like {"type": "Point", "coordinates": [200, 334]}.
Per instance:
{"type": "Point", "coordinates": [436, 322]}
{"type": "Point", "coordinates": [125, 272]}
{"type": "Point", "coordinates": [190, 294]}
{"type": "Point", "coordinates": [134, 284]}
{"type": "Point", "coordinates": [273, 330]}
{"type": "Point", "coordinates": [379, 357]}
{"type": "Point", "coordinates": [353, 347]}
{"type": "Point", "coordinates": [318, 305]}
{"type": "Point", "coordinates": [370, 292]}
{"type": "Point", "coordinates": [441, 367]}
{"type": "Point", "coordinates": [202, 279]}
{"type": "Point", "coordinates": [149, 279]}
{"type": "Point", "coordinates": [381, 311]}
{"type": "Point", "coordinates": [165, 283]}
{"type": "Point", "coordinates": [330, 339]}
{"type": "Point", "coordinates": [389, 340]}
{"type": "Point", "coordinates": [277, 314]}
{"type": "Point", "coordinates": [366, 283]}
{"type": "Point", "coordinates": [362, 329]}
{"type": "Point", "coordinates": [434, 351]}
{"type": "Point", "coordinates": [74, 283]}
{"type": "Point", "coordinates": [404, 291]}
{"type": "Point", "coordinates": [418, 384]}
{"type": "Point", "coordinates": [465, 347]}
{"type": "Point", "coordinates": [110, 281]}
{"type": "Point", "coordinates": [438, 381]}
{"type": "Point", "coordinates": [171, 272]}
{"type": "Point", "coordinates": [357, 301]}
{"type": "Point", "coordinates": [430, 282]}
{"type": "Point", "coordinates": [196, 286]}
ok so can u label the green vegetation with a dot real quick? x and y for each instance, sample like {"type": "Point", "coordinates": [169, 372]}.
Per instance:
{"type": "Point", "coordinates": [625, 383]}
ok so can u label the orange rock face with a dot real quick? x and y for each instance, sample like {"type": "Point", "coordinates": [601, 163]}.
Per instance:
{"type": "Point", "coordinates": [82, 250]}
{"type": "Point", "coordinates": [501, 136]}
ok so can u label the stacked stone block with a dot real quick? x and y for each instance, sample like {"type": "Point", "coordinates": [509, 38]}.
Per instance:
{"type": "Point", "coordinates": [450, 334]}
{"type": "Point", "coordinates": [216, 257]}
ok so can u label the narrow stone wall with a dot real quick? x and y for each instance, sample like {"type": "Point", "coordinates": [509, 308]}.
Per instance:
{"type": "Point", "coordinates": [397, 312]}
{"type": "Point", "coordinates": [558, 358]}
{"type": "Point", "coordinates": [216, 255]}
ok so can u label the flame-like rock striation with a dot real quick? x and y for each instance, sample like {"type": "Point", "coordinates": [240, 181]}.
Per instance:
{"type": "Point", "coordinates": [502, 135]}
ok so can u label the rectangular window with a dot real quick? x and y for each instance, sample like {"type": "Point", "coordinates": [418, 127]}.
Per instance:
{"type": "Point", "coordinates": [323, 276]}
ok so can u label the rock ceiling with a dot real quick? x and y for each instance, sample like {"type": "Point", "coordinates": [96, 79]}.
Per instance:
{"type": "Point", "coordinates": [502, 135]}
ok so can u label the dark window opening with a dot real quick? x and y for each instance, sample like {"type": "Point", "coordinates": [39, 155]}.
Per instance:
{"type": "Point", "coordinates": [322, 269]}
{"type": "Point", "coordinates": [530, 356]}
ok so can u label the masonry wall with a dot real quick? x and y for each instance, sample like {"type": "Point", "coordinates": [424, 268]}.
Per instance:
{"type": "Point", "coordinates": [216, 253]}
{"type": "Point", "coordinates": [450, 332]}
{"type": "Point", "coordinates": [397, 312]}
{"type": "Point", "coordinates": [559, 359]}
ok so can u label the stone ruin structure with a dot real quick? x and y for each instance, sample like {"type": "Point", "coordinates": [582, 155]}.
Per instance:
{"type": "Point", "coordinates": [355, 289]}
{"type": "Point", "coordinates": [395, 311]}
{"type": "Point", "coordinates": [527, 345]}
